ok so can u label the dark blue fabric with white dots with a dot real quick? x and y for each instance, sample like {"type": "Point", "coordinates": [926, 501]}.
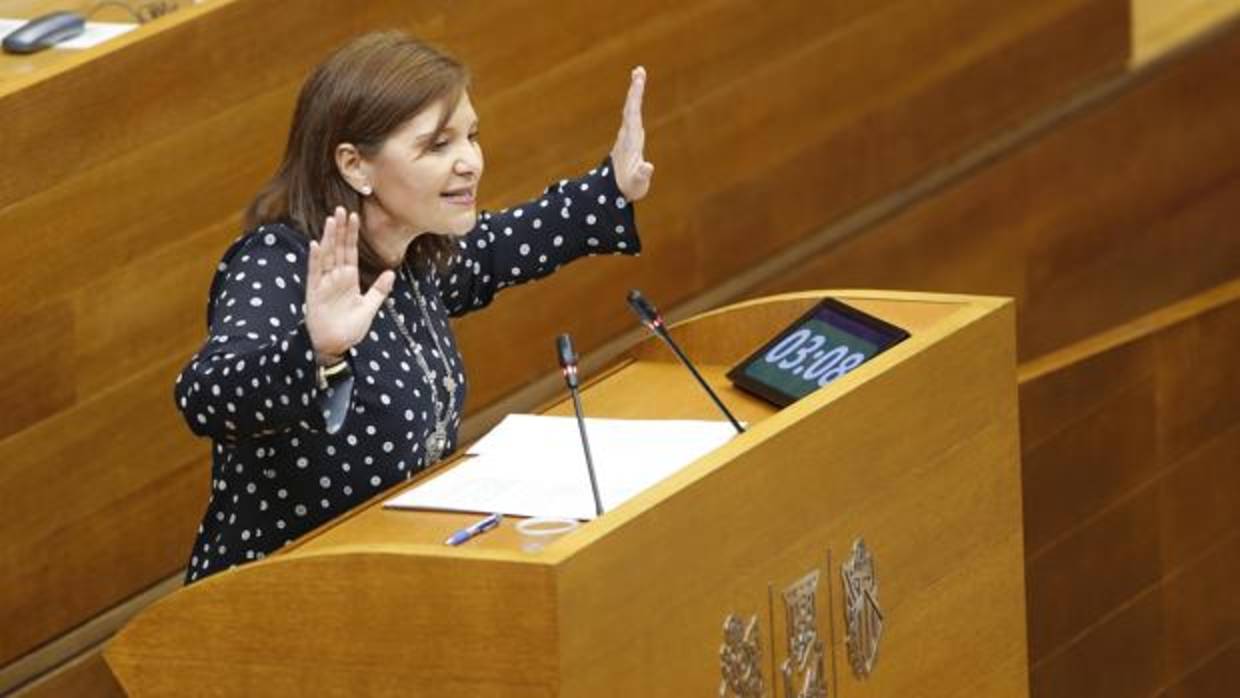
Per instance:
{"type": "Point", "coordinates": [276, 472]}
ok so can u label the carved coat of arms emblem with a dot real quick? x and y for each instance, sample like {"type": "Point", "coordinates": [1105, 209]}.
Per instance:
{"type": "Point", "coordinates": [863, 618]}
{"type": "Point", "coordinates": [803, 673]}
{"type": "Point", "coordinates": [740, 659]}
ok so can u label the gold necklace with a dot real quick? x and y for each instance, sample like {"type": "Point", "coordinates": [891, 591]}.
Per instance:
{"type": "Point", "coordinates": [438, 440]}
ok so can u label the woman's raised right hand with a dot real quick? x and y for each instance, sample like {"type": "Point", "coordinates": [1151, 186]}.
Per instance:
{"type": "Point", "coordinates": [338, 314]}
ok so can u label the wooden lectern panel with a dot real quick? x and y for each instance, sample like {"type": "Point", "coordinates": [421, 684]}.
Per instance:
{"type": "Point", "coordinates": [915, 451]}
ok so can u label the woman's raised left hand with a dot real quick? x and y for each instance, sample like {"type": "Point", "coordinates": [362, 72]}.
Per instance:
{"type": "Point", "coordinates": [633, 172]}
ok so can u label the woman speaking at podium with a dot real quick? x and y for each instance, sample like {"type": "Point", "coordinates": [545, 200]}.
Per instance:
{"type": "Point", "coordinates": [330, 371]}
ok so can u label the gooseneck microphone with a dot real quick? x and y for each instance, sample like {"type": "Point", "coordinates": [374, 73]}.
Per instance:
{"type": "Point", "coordinates": [651, 318]}
{"type": "Point", "coordinates": [568, 362]}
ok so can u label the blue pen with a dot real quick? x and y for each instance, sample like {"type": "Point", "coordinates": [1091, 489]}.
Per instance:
{"type": "Point", "coordinates": [477, 529]}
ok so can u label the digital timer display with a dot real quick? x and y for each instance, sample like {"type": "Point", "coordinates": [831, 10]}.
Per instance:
{"type": "Point", "coordinates": [823, 345]}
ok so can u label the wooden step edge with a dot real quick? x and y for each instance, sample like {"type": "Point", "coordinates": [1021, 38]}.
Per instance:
{"type": "Point", "coordinates": [1131, 331]}
{"type": "Point", "coordinates": [1161, 28]}
{"type": "Point", "coordinates": [60, 654]}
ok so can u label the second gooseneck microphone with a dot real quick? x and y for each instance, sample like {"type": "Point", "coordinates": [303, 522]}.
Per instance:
{"type": "Point", "coordinates": [568, 362]}
{"type": "Point", "coordinates": [651, 318]}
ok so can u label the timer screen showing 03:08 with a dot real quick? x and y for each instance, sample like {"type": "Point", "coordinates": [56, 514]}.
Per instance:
{"type": "Point", "coordinates": [823, 345]}
{"type": "Point", "coordinates": [809, 358]}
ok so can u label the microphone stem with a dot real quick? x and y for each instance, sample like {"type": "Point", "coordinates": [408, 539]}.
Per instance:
{"type": "Point", "coordinates": [585, 444]}
{"type": "Point", "coordinates": [689, 365]}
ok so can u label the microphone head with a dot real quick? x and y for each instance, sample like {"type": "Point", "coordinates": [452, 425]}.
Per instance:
{"type": "Point", "coordinates": [564, 351]}
{"type": "Point", "coordinates": [644, 309]}
{"type": "Point", "coordinates": [568, 360]}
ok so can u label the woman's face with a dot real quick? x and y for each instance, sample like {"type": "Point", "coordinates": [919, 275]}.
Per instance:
{"type": "Point", "coordinates": [427, 182]}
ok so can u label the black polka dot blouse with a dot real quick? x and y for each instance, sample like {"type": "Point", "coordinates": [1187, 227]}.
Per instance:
{"type": "Point", "coordinates": [288, 456]}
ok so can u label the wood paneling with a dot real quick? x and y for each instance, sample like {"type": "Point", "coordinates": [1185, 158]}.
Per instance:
{"type": "Point", "coordinates": [1200, 384]}
{"type": "Point", "coordinates": [88, 500]}
{"type": "Point", "coordinates": [1132, 503]}
{"type": "Point", "coordinates": [630, 604]}
{"type": "Point", "coordinates": [1121, 439]}
{"type": "Point", "coordinates": [881, 123]}
{"type": "Point", "coordinates": [769, 122]}
{"type": "Point", "coordinates": [1159, 26]}
{"type": "Point", "coordinates": [87, 676]}
{"type": "Point", "coordinates": [766, 123]}
{"type": "Point", "coordinates": [1217, 677]}
{"type": "Point", "coordinates": [140, 93]}
{"type": "Point", "coordinates": [1113, 214]}
{"type": "Point", "coordinates": [1130, 655]}
{"type": "Point", "coordinates": [36, 375]}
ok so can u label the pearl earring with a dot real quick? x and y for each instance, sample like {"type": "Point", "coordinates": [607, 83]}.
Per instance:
{"type": "Point", "coordinates": [366, 190]}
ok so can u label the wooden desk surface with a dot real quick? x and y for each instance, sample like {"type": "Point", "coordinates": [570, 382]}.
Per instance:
{"type": "Point", "coordinates": [628, 390]}
{"type": "Point", "coordinates": [618, 392]}
{"type": "Point", "coordinates": [17, 71]}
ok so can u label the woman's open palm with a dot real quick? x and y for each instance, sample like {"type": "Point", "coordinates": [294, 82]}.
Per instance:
{"type": "Point", "coordinates": [338, 314]}
{"type": "Point", "coordinates": [633, 172]}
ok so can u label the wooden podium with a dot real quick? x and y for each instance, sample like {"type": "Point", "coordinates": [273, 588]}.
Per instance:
{"type": "Point", "coordinates": [916, 452]}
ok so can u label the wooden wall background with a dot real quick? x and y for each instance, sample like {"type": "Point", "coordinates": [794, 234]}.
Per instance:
{"type": "Point", "coordinates": [1115, 230]}
{"type": "Point", "coordinates": [962, 145]}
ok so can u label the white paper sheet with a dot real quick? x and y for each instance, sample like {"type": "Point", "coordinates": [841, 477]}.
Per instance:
{"type": "Point", "coordinates": [533, 465]}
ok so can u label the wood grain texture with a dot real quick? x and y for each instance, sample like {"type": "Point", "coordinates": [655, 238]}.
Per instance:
{"type": "Point", "coordinates": [766, 122]}
{"type": "Point", "coordinates": [879, 117]}
{"type": "Point", "coordinates": [1195, 601]}
{"type": "Point", "coordinates": [87, 676]}
{"type": "Point", "coordinates": [1129, 205]}
{"type": "Point", "coordinates": [1217, 677]}
{"type": "Point", "coordinates": [1159, 27]}
{"type": "Point", "coordinates": [1132, 504]}
{"type": "Point", "coordinates": [445, 644]}
{"type": "Point", "coordinates": [631, 603]}
{"type": "Point", "coordinates": [122, 512]}
{"type": "Point", "coordinates": [34, 384]}
{"type": "Point", "coordinates": [1119, 435]}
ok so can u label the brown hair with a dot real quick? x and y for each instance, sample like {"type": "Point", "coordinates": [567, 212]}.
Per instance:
{"type": "Point", "coordinates": [361, 94]}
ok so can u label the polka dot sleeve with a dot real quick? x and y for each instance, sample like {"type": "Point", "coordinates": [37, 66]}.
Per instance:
{"type": "Point", "coordinates": [572, 219]}
{"type": "Point", "coordinates": [256, 374]}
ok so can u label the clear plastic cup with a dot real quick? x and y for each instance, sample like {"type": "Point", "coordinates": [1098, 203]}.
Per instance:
{"type": "Point", "coordinates": [537, 533]}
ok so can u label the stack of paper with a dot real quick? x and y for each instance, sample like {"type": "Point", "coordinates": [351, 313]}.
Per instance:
{"type": "Point", "coordinates": [533, 465]}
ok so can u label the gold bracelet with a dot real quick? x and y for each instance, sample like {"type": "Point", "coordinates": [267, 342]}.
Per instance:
{"type": "Point", "coordinates": [328, 372]}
